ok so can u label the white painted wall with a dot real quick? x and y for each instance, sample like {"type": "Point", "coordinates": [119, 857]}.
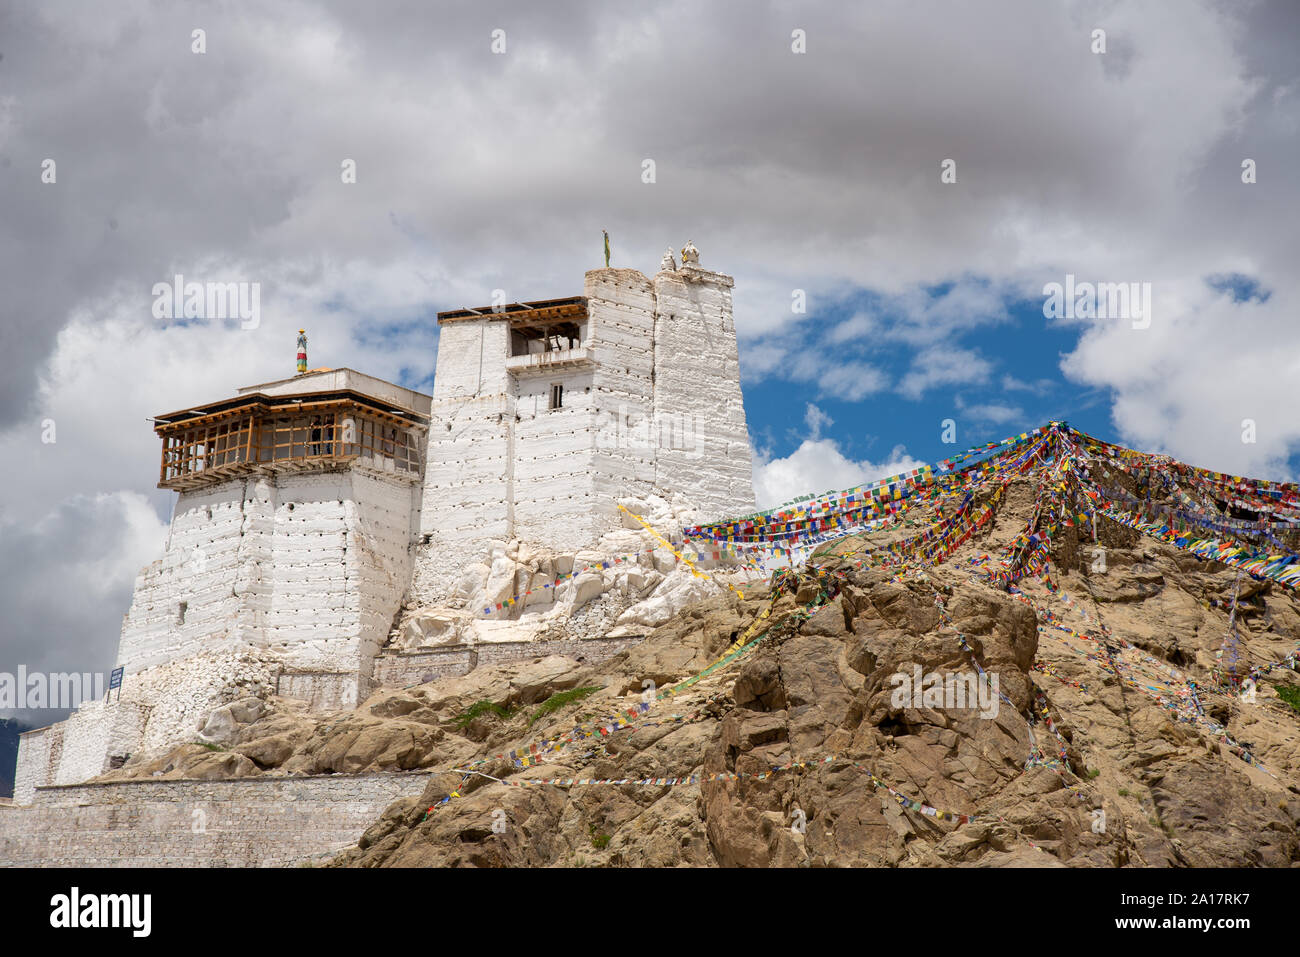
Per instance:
{"type": "Point", "coordinates": [466, 497]}
{"type": "Point", "coordinates": [621, 303]}
{"type": "Point", "coordinates": [312, 566]}
{"type": "Point", "coordinates": [657, 409]}
{"type": "Point", "coordinates": [554, 459]}
{"type": "Point", "coordinates": [697, 394]}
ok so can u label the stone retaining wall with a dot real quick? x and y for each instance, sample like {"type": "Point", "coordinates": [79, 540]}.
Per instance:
{"type": "Point", "coordinates": [250, 822]}
{"type": "Point", "coordinates": [406, 668]}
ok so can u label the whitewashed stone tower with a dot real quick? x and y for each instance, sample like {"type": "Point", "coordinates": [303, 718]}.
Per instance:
{"type": "Point", "coordinates": [290, 547]}
{"type": "Point", "coordinates": [292, 531]}
{"type": "Point", "coordinates": [545, 413]}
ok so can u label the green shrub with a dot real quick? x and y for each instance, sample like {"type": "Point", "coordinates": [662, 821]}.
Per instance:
{"type": "Point", "coordinates": [1290, 694]}
{"type": "Point", "coordinates": [480, 708]}
{"type": "Point", "coordinates": [558, 700]}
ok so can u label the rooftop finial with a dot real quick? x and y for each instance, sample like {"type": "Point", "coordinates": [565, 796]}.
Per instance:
{"type": "Point", "coordinates": [606, 232]}
{"type": "Point", "coordinates": [668, 263]}
{"type": "Point", "coordinates": [302, 351]}
{"type": "Point", "coordinates": [690, 254]}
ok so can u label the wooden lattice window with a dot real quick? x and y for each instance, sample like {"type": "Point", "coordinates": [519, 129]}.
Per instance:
{"type": "Point", "coordinates": [329, 432]}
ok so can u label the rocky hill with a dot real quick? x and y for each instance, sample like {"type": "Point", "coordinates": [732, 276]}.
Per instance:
{"type": "Point", "coordinates": [1131, 693]}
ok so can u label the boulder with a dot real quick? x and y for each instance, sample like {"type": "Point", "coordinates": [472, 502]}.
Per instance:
{"type": "Point", "coordinates": [220, 727]}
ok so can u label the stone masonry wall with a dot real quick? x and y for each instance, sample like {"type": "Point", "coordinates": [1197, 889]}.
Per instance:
{"type": "Point", "coordinates": [212, 538]}
{"type": "Point", "coordinates": [704, 449]}
{"type": "Point", "coordinates": [251, 822]}
{"type": "Point", "coordinates": [408, 668]}
{"type": "Point", "coordinates": [466, 472]}
{"type": "Point", "coordinates": [323, 690]}
{"type": "Point", "coordinates": [38, 761]}
{"type": "Point", "coordinates": [312, 565]}
{"type": "Point", "coordinates": [621, 303]}
{"type": "Point", "coordinates": [96, 732]}
{"type": "Point", "coordinates": [553, 459]}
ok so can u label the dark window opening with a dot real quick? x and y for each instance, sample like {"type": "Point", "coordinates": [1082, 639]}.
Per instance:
{"type": "Point", "coordinates": [557, 396]}
{"type": "Point", "coordinates": [544, 336]}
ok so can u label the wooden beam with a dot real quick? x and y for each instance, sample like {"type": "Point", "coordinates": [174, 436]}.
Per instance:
{"type": "Point", "coordinates": [541, 323]}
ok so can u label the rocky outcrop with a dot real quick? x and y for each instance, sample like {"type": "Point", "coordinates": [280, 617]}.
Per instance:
{"type": "Point", "coordinates": [801, 751]}
{"type": "Point", "coordinates": [860, 779]}
{"type": "Point", "coordinates": [627, 584]}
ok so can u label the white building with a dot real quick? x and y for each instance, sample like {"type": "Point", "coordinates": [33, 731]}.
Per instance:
{"type": "Point", "coordinates": [544, 413]}
{"type": "Point", "coordinates": [305, 504]}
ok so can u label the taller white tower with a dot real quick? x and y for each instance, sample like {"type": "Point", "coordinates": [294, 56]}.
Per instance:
{"type": "Point", "coordinates": [545, 413]}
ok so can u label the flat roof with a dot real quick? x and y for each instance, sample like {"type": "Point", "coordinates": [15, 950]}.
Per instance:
{"type": "Point", "coordinates": [316, 380]}
{"type": "Point", "coordinates": [318, 385]}
{"type": "Point", "coordinates": [280, 402]}
{"type": "Point", "coordinates": [572, 307]}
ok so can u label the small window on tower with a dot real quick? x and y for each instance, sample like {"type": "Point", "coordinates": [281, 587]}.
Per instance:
{"type": "Point", "coordinates": [557, 396]}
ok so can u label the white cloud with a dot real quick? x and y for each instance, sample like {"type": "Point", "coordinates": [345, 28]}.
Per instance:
{"type": "Point", "coordinates": [816, 420]}
{"type": "Point", "coordinates": [843, 359]}
{"type": "Point", "coordinates": [850, 381]}
{"type": "Point", "coordinates": [1185, 385]}
{"type": "Point", "coordinates": [926, 317]}
{"type": "Point", "coordinates": [857, 328]}
{"type": "Point", "coordinates": [1038, 387]}
{"type": "Point", "coordinates": [944, 365]}
{"type": "Point", "coordinates": [994, 413]}
{"type": "Point", "coordinates": [67, 580]}
{"type": "Point", "coordinates": [833, 376]}
{"type": "Point", "coordinates": [818, 465]}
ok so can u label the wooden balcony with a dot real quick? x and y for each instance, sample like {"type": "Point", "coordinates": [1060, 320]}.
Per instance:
{"type": "Point", "coordinates": [259, 434]}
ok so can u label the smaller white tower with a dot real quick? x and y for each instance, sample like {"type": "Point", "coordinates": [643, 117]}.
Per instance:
{"type": "Point", "coordinates": [290, 547]}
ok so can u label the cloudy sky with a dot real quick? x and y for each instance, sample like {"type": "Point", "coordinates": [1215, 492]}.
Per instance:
{"type": "Point", "coordinates": [479, 169]}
